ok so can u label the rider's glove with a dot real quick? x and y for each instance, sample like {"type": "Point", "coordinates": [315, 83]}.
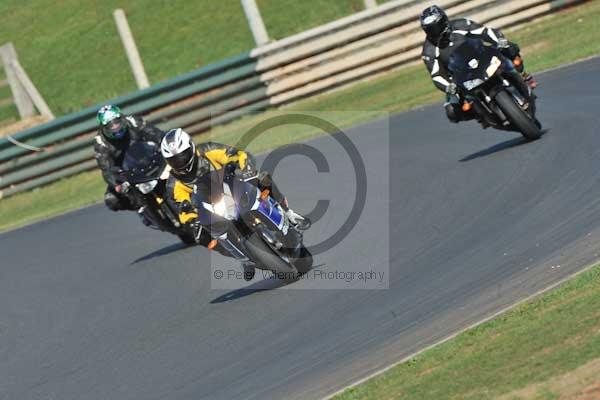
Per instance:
{"type": "Point", "coordinates": [123, 187]}
{"type": "Point", "coordinates": [186, 207]}
{"type": "Point", "coordinates": [511, 51]}
{"type": "Point", "coordinates": [451, 89]}
{"type": "Point", "coordinates": [247, 173]}
{"type": "Point", "coordinates": [503, 43]}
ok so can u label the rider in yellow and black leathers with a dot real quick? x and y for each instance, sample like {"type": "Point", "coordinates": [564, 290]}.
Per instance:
{"type": "Point", "coordinates": [189, 163]}
{"type": "Point", "coordinates": [181, 189]}
{"type": "Point", "coordinates": [219, 155]}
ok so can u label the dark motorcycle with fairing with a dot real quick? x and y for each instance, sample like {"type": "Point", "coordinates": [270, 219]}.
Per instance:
{"type": "Point", "coordinates": [147, 172]}
{"type": "Point", "coordinates": [490, 86]}
{"type": "Point", "coordinates": [249, 224]}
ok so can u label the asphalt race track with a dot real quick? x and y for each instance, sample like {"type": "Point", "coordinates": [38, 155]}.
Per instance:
{"type": "Point", "coordinates": [95, 306]}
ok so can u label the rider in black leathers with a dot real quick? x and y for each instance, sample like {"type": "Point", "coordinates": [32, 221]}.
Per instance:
{"type": "Point", "coordinates": [443, 36]}
{"type": "Point", "coordinates": [117, 132]}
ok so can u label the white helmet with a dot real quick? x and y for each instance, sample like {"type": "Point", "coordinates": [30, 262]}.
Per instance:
{"type": "Point", "coordinates": [179, 150]}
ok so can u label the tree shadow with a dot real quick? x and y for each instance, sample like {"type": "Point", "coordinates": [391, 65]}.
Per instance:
{"type": "Point", "coordinates": [260, 286]}
{"type": "Point", "coordinates": [161, 252]}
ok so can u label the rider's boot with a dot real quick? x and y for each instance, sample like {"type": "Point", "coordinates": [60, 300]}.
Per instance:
{"type": "Point", "coordinates": [529, 80]}
{"type": "Point", "coordinates": [143, 217]}
{"type": "Point", "coordinates": [249, 270]}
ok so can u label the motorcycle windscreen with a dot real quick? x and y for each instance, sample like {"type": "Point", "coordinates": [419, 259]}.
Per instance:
{"type": "Point", "coordinates": [143, 162]}
{"type": "Point", "coordinates": [470, 61]}
{"type": "Point", "coordinates": [209, 188]}
{"type": "Point", "coordinates": [247, 197]}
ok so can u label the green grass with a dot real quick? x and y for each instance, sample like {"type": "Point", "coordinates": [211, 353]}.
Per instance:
{"type": "Point", "coordinates": [72, 51]}
{"type": "Point", "coordinates": [8, 115]}
{"type": "Point", "coordinates": [545, 44]}
{"type": "Point", "coordinates": [538, 341]}
{"type": "Point", "coordinates": [8, 112]}
{"type": "Point", "coordinates": [286, 17]}
{"type": "Point", "coordinates": [64, 195]}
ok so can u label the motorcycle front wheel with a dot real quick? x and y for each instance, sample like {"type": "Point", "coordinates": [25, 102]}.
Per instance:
{"type": "Point", "coordinates": [304, 262]}
{"type": "Point", "coordinates": [518, 118]}
{"type": "Point", "coordinates": [265, 258]}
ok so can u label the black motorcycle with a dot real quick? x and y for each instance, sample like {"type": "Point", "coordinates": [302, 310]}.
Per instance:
{"type": "Point", "coordinates": [249, 224]}
{"type": "Point", "coordinates": [146, 170]}
{"type": "Point", "coordinates": [490, 86]}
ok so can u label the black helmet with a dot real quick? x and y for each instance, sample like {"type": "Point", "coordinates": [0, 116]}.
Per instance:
{"type": "Point", "coordinates": [179, 150]}
{"type": "Point", "coordinates": [113, 123]}
{"type": "Point", "coordinates": [434, 21]}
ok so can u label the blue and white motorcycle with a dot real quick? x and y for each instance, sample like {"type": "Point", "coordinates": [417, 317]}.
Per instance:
{"type": "Point", "coordinates": [249, 224]}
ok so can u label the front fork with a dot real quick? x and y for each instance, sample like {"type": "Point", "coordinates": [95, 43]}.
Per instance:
{"type": "Point", "coordinates": [231, 241]}
{"type": "Point", "coordinates": [512, 82]}
{"type": "Point", "coordinates": [159, 213]}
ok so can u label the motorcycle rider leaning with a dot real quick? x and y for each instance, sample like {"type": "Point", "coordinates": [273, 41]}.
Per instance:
{"type": "Point", "coordinates": [117, 132]}
{"type": "Point", "coordinates": [190, 163]}
{"type": "Point", "coordinates": [443, 36]}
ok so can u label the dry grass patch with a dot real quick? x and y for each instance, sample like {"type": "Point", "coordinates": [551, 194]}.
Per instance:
{"type": "Point", "coordinates": [582, 383]}
{"type": "Point", "coordinates": [21, 125]}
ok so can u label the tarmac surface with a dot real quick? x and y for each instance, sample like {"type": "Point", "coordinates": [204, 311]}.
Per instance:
{"type": "Point", "coordinates": [460, 222]}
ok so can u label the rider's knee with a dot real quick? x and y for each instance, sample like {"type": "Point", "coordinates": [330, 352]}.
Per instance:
{"type": "Point", "coordinates": [513, 52]}
{"type": "Point", "coordinates": [113, 202]}
{"type": "Point", "coordinates": [265, 179]}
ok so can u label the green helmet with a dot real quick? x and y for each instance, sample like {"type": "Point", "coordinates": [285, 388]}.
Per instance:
{"type": "Point", "coordinates": [112, 122]}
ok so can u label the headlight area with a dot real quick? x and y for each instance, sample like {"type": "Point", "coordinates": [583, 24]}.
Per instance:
{"type": "Point", "coordinates": [220, 208]}
{"type": "Point", "coordinates": [147, 187]}
{"type": "Point", "coordinates": [494, 65]}
{"type": "Point", "coordinates": [472, 84]}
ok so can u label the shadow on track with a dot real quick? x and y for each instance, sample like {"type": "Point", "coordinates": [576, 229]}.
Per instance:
{"type": "Point", "coordinates": [161, 252]}
{"type": "Point", "coordinates": [260, 286]}
{"type": "Point", "coordinates": [496, 148]}
{"type": "Point", "coordinates": [519, 141]}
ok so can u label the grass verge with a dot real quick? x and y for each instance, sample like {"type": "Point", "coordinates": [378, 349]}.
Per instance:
{"type": "Point", "coordinates": [561, 38]}
{"type": "Point", "coordinates": [54, 199]}
{"type": "Point", "coordinates": [546, 348]}
{"type": "Point", "coordinates": [72, 51]}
